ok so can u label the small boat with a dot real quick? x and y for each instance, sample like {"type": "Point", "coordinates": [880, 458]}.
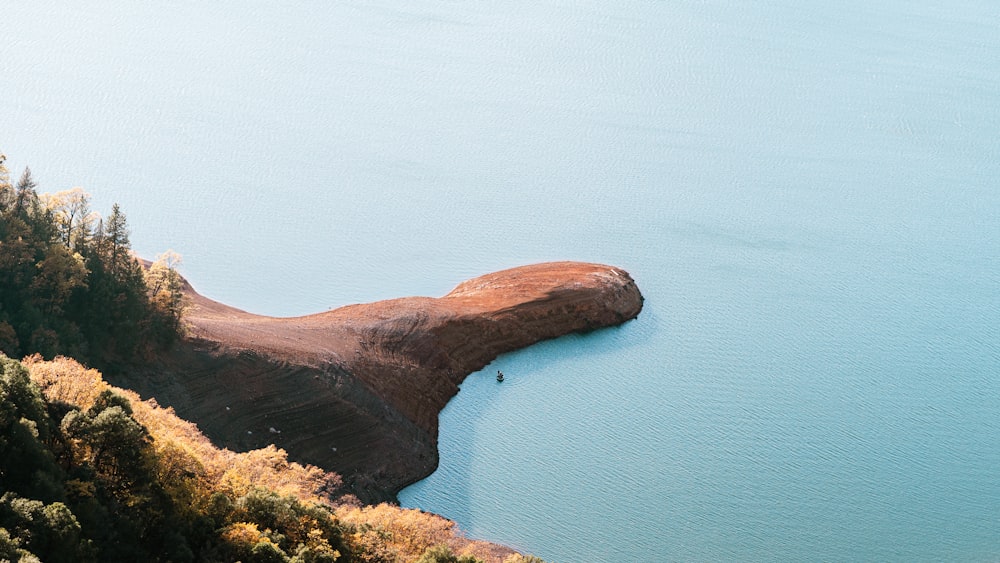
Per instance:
{"type": "Point", "coordinates": [499, 376]}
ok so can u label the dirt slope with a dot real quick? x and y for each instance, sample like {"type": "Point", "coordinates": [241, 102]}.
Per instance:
{"type": "Point", "coordinates": [357, 390]}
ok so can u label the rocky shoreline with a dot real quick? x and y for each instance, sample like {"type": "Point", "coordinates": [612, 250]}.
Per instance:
{"type": "Point", "coordinates": [357, 390]}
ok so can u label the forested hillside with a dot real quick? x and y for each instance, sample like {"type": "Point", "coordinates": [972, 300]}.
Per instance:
{"type": "Point", "coordinates": [89, 472]}
{"type": "Point", "coordinates": [70, 285]}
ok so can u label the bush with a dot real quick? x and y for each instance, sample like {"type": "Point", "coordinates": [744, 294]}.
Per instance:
{"type": "Point", "coordinates": [443, 554]}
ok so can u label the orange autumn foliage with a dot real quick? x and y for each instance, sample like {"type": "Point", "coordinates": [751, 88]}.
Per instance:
{"type": "Point", "coordinates": [194, 469]}
{"type": "Point", "coordinates": [407, 533]}
{"type": "Point", "coordinates": [179, 444]}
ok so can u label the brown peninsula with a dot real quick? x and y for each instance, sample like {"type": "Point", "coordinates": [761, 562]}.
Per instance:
{"type": "Point", "coordinates": [357, 390]}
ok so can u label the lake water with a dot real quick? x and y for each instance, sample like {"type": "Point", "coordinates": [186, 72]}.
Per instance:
{"type": "Point", "coordinates": [806, 193]}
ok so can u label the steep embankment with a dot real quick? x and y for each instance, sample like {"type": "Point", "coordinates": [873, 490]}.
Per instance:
{"type": "Point", "coordinates": [357, 390]}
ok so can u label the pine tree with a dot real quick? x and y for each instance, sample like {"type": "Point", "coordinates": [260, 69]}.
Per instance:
{"type": "Point", "coordinates": [116, 249]}
{"type": "Point", "coordinates": [26, 198]}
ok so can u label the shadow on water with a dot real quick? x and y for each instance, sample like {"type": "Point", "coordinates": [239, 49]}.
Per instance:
{"type": "Point", "coordinates": [488, 423]}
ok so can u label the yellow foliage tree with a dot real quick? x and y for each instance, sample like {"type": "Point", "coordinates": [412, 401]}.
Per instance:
{"type": "Point", "coordinates": [193, 470]}
{"type": "Point", "coordinates": [72, 214]}
{"type": "Point", "coordinates": [179, 442]}
{"type": "Point", "coordinates": [65, 380]}
{"type": "Point", "coordinates": [59, 273]}
{"type": "Point", "coordinates": [406, 532]}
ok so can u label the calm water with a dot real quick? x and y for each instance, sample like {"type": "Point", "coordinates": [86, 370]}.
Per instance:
{"type": "Point", "coordinates": [807, 195]}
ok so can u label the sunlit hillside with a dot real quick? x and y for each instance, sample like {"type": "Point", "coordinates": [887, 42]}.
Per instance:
{"type": "Point", "coordinates": [90, 472]}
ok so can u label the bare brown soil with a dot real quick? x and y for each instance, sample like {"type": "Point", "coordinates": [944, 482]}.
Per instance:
{"type": "Point", "coordinates": [357, 390]}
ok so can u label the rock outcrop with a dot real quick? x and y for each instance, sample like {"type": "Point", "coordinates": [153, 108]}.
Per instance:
{"type": "Point", "coordinates": [358, 390]}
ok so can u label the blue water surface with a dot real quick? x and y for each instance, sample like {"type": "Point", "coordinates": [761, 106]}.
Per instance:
{"type": "Point", "coordinates": [806, 193]}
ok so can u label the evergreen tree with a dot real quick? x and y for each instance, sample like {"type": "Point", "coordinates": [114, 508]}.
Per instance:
{"type": "Point", "coordinates": [26, 196]}
{"type": "Point", "coordinates": [116, 244]}
{"type": "Point", "coordinates": [67, 287]}
{"type": "Point", "coordinates": [115, 306]}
